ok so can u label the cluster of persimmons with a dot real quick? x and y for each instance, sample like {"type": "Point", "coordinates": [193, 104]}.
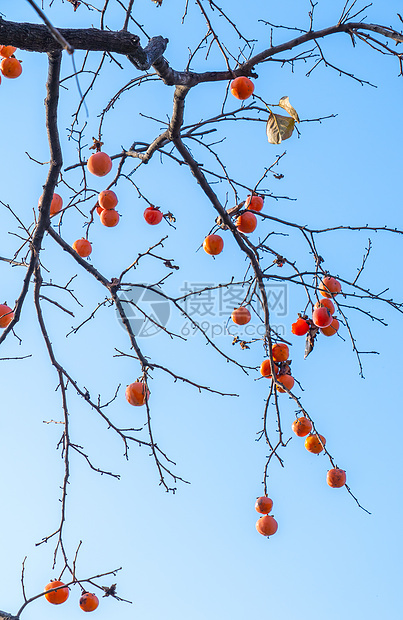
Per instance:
{"type": "Point", "coordinates": [137, 393]}
{"type": "Point", "coordinates": [242, 88]}
{"type": "Point", "coordinates": [322, 318]}
{"type": "Point", "coordinates": [100, 164]}
{"type": "Point", "coordinates": [10, 67]}
{"type": "Point", "coordinates": [87, 602]}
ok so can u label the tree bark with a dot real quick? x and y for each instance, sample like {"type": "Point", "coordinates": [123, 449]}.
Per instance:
{"type": "Point", "coordinates": [37, 38]}
{"type": "Point", "coordinates": [5, 616]}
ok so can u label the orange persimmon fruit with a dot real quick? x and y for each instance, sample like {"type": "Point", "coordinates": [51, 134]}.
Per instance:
{"type": "Point", "coordinates": [213, 244]}
{"type": "Point", "coordinates": [7, 50]}
{"type": "Point", "coordinates": [302, 426]}
{"type": "Point", "coordinates": [315, 443]}
{"type": "Point", "coordinates": [267, 525]}
{"type": "Point", "coordinates": [322, 317]}
{"type": "Point", "coordinates": [109, 217]}
{"type": "Point", "coordinates": [327, 303]}
{"type": "Point", "coordinates": [241, 315]}
{"type": "Point", "coordinates": [88, 601]}
{"type": "Point", "coordinates": [6, 315]}
{"type": "Point", "coordinates": [329, 287]}
{"type": "Point", "coordinates": [300, 327]}
{"type": "Point", "coordinates": [58, 596]}
{"type": "Point", "coordinates": [265, 369]}
{"type": "Point", "coordinates": [246, 223]}
{"type": "Point", "coordinates": [82, 247]}
{"type": "Point", "coordinates": [331, 329]}
{"type": "Point", "coordinates": [280, 352]}
{"type": "Point", "coordinates": [264, 505]}
{"type": "Point", "coordinates": [56, 204]}
{"type": "Point", "coordinates": [11, 68]}
{"type": "Point", "coordinates": [107, 199]}
{"type": "Point", "coordinates": [336, 478]}
{"type": "Point", "coordinates": [99, 164]}
{"type": "Point", "coordinates": [242, 87]}
{"type": "Point", "coordinates": [153, 216]}
{"type": "Point", "coordinates": [137, 393]}
{"type": "Point", "coordinates": [255, 203]}
{"type": "Point", "coordinates": [287, 380]}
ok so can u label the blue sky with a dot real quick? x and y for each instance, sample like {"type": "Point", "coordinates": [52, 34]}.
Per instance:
{"type": "Point", "coordinates": [197, 552]}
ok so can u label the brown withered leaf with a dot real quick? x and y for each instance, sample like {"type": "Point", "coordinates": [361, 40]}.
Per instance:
{"type": "Point", "coordinates": [310, 340]}
{"type": "Point", "coordinates": [286, 105]}
{"type": "Point", "coordinates": [279, 128]}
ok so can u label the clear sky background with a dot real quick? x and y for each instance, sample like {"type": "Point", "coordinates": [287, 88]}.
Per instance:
{"type": "Point", "coordinates": [197, 553]}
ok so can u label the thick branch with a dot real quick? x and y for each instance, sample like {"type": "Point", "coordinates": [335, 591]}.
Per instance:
{"type": "Point", "coordinates": [37, 38]}
{"type": "Point", "coordinates": [5, 616]}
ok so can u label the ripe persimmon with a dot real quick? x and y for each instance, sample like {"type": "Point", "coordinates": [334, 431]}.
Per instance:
{"type": "Point", "coordinates": [213, 244]}
{"type": "Point", "coordinates": [56, 204]}
{"type": "Point", "coordinates": [11, 68]}
{"type": "Point", "coordinates": [302, 426]}
{"type": "Point", "coordinates": [287, 380]}
{"type": "Point", "coordinates": [265, 369]}
{"type": "Point", "coordinates": [99, 164]}
{"type": "Point", "coordinates": [6, 315]}
{"type": "Point", "coordinates": [153, 215]}
{"type": "Point", "coordinates": [322, 317]}
{"type": "Point", "coordinates": [255, 203]}
{"type": "Point", "coordinates": [7, 50]}
{"type": "Point", "coordinates": [242, 87]}
{"type": "Point", "coordinates": [280, 352]}
{"type": "Point", "coordinates": [109, 217]}
{"type": "Point", "coordinates": [315, 443]}
{"type": "Point", "coordinates": [327, 303]}
{"type": "Point", "coordinates": [82, 247]}
{"type": "Point", "coordinates": [264, 505]}
{"type": "Point", "coordinates": [88, 602]}
{"type": "Point", "coordinates": [107, 199]}
{"type": "Point", "coordinates": [329, 287]}
{"type": "Point", "coordinates": [300, 327]}
{"type": "Point", "coordinates": [241, 315]}
{"type": "Point", "coordinates": [246, 223]}
{"type": "Point", "coordinates": [267, 525]}
{"type": "Point", "coordinates": [336, 478]}
{"type": "Point", "coordinates": [58, 596]}
{"type": "Point", "coordinates": [137, 393]}
{"type": "Point", "coordinates": [99, 209]}
{"type": "Point", "coordinates": [331, 330]}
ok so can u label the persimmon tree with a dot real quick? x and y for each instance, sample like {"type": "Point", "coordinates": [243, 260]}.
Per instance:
{"type": "Point", "coordinates": [220, 52]}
